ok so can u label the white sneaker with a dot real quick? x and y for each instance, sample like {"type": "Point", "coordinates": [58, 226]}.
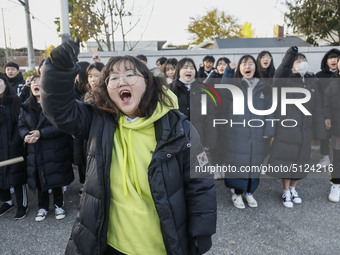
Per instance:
{"type": "Point", "coordinates": [59, 213]}
{"type": "Point", "coordinates": [324, 161]}
{"type": "Point", "coordinates": [237, 201]}
{"type": "Point", "coordinates": [41, 215]}
{"type": "Point", "coordinates": [295, 196]}
{"type": "Point", "coordinates": [250, 200]}
{"type": "Point", "coordinates": [287, 200]}
{"type": "Point", "coordinates": [334, 195]}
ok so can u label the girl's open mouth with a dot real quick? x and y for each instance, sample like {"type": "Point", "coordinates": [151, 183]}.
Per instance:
{"type": "Point", "coordinates": [125, 96]}
{"type": "Point", "coordinates": [248, 72]}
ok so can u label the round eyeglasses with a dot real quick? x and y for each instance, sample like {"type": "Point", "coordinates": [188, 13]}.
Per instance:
{"type": "Point", "coordinates": [113, 81]}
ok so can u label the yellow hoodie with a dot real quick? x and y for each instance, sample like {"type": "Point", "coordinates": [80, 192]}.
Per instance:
{"type": "Point", "coordinates": [134, 226]}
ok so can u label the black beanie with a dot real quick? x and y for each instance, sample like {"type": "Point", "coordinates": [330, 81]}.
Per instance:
{"type": "Point", "coordinates": [12, 64]}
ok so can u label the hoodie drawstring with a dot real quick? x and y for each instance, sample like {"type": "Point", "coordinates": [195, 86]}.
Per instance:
{"type": "Point", "coordinates": [132, 159]}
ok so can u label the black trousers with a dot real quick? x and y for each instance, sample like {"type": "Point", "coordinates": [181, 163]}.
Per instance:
{"type": "Point", "coordinates": [112, 251]}
{"type": "Point", "coordinates": [324, 146]}
{"type": "Point", "coordinates": [335, 175]}
{"type": "Point", "coordinates": [240, 192]}
{"type": "Point", "coordinates": [20, 195]}
{"type": "Point", "coordinates": [81, 172]}
{"type": "Point", "coordinates": [44, 198]}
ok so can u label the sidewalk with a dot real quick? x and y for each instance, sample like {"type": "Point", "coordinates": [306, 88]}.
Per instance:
{"type": "Point", "coordinates": [310, 228]}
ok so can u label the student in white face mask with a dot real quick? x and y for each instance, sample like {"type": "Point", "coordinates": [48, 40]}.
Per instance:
{"type": "Point", "coordinates": [300, 65]}
{"type": "Point", "coordinates": [291, 146]}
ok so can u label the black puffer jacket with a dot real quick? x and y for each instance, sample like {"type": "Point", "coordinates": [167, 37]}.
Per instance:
{"type": "Point", "coordinates": [189, 103]}
{"type": "Point", "coordinates": [213, 78]}
{"type": "Point", "coordinates": [50, 157]}
{"type": "Point", "coordinates": [79, 145]}
{"type": "Point", "coordinates": [202, 73]}
{"type": "Point", "coordinates": [17, 83]}
{"type": "Point", "coordinates": [186, 207]}
{"type": "Point", "coordinates": [183, 95]}
{"type": "Point", "coordinates": [11, 146]}
{"type": "Point", "coordinates": [331, 106]}
{"type": "Point", "coordinates": [292, 145]}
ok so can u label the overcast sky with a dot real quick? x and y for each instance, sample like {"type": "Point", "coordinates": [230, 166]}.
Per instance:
{"type": "Point", "coordinates": [159, 19]}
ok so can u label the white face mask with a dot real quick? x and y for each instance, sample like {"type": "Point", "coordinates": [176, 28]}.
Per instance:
{"type": "Point", "coordinates": [302, 68]}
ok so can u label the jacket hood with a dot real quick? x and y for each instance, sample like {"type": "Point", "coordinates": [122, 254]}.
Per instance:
{"type": "Point", "coordinates": [324, 66]}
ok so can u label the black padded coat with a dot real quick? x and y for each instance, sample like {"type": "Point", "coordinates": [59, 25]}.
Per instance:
{"type": "Point", "coordinates": [186, 207]}
{"type": "Point", "coordinates": [11, 146]}
{"type": "Point", "coordinates": [49, 159]}
{"type": "Point", "coordinates": [292, 145]}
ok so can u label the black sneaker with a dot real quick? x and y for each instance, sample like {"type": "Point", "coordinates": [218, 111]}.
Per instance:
{"type": "Point", "coordinates": [21, 212]}
{"type": "Point", "coordinates": [5, 208]}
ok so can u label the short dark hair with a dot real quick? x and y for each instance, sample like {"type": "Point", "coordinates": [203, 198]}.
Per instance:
{"type": "Point", "coordinates": [161, 60]}
{"type": "Point", "coordinates": [142, 57]}
{"type": "Point", "coordinates": [154, 92]}
{"type": "Point", "coordinates": [12, 64]}
{"type": "Point", "coordinates": [209, 58]}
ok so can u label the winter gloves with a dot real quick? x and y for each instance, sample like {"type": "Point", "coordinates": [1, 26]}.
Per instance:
{"type": "Point", "coordinates": [65, 55]}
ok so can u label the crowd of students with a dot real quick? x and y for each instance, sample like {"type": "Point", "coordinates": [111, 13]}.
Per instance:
{"type": "Point", "coordinates": [126, 128]}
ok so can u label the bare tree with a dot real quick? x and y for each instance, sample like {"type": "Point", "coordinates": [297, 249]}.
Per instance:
{"type": "Point", "coordinates": [101, 20]}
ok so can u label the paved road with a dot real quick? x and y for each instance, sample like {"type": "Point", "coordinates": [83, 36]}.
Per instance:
{"type": "Point", "coordinates": [310, 228]}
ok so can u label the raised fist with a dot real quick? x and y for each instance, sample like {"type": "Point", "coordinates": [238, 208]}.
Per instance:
{"type": "Point", "coordinates": [65, 55]}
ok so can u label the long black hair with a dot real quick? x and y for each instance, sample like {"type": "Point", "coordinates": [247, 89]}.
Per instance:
{"type": "Point", "coordinates": [224, 59]}
{"type": "Point", "coordinates": [96, 65]}
{"type": "Point", "coordinates": [180, 65]}
{"type": "Point", "coordinates": [269, 73]}
{"type": "Point", "coordinates": [81, 83]}
{"type": "Point", "coordinates": [171, 61]}
{"type": "Point", "coordinates": [238, 74]}
{"type": "Point", "coordinates": [9, 98]}
{"type": "Point", "coordinates": [32, 100]}
{"type": "Point", "coordinates": [245, 58]}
